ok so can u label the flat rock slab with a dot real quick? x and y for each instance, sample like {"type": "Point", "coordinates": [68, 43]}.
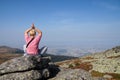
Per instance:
{"type": "Point", "coordinates": [24, 63]}
{"type": "Point", "coordinates": [28, 75]}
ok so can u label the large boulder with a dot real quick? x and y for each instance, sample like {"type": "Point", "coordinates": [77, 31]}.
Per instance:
{"type": "Point", "coordinates": [74, 74]}
{"type": "Point", "coordinates": [27, 75]}
{"type": "Point", "coordinates": [25, 68]}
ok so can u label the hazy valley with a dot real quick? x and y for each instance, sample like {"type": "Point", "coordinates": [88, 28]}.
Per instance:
{"type": "Point", "coordinates": [73, 51]}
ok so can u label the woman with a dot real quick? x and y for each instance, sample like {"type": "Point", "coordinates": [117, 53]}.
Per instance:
{"type": "Point", "coordinates": [32, 40]}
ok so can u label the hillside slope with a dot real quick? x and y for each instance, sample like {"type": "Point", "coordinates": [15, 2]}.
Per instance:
{"type": "Point", "coordinates": [6, 49]}
{"type": "Point", "coordinates": [98, 64]}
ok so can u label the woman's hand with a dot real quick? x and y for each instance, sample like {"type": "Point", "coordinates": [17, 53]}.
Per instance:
{"type": "Point", "coordinates": [33, 27]}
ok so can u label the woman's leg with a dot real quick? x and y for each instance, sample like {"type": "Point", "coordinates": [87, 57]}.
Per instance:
{"type": "Point", "coordinates": [24, 49]}
{"type": "Point", "coordinates": [43, 50]}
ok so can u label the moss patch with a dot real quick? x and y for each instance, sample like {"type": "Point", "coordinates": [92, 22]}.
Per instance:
{"type": "Point", "coordinates": [98, 74]}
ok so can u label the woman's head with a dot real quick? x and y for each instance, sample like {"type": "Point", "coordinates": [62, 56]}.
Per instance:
{"type": "Point", "coordinates": [32, 32]}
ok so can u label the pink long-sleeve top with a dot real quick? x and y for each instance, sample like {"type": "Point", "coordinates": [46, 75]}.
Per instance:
{"type": "Point", "coordinates": [34, 45]}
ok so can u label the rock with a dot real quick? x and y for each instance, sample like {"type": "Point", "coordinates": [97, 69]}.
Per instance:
{"type": "Point", "coordinates": [28, 75]}
{"type": "Point", "coordinates": [105, 62]}
{"type": "Point", "coordinates": [37, 68]}
{"type": "Point", "coordinates": [108, 76]}
{"type": "Point", "coordinates": [99, 78]}
{"type": "Point", "coordinates": [107, 65]}
{"type": "Point", "coordinates": [73, 74]}
{"type": "Point", "coordinates": [25, 68]}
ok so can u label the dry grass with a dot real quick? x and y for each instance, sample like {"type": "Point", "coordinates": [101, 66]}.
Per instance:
{"type": "Point", "coordinates": [88, 58]}
{"type": "Point", "coordinates": [7, 56]}
{"type": "Point", "coordinates": [115, 76]}
{"type": "Point", "coordinates": [86, 66]}
{"type": "Point", "coordinates": [114, 57]}
{"type": "Point", "coordinates": [77, 61]}
{"type": "Point", "coordinates": [77, 64]}
{"type": "Point", "coordinates": [68, 62]}
{"type": "Point", "coordinates": [98, 74]}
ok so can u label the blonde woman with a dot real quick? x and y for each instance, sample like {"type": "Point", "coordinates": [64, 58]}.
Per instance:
{"type": "Point", "coordinates": [32, 38]}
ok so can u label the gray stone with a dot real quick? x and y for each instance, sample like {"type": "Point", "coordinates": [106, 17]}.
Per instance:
{"type": "Point", "coordinates": [108, 76]}
{"type": "Point", "coordinates": [28, 75]}
{"type": "Point", "coordinates": [23, 63]}
{"type": "Point", "coordinates": [99, 78]}
{"type": "Point", "coordinates": [25, 68]}
{"type": "Point", "coordinates": [73, 74]}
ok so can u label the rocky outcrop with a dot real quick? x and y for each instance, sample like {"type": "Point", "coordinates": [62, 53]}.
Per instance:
{"type": "Point", "coordinates": [103, 65]}
{"type": "Point", "coordinates": [74, 74]}
{"type": "Point", "coordinates": [105, 62]}
{"type": "Point", "coordinates": [25, 68]}
{"type": "Point", "coordinates": [107, 65]}
{"type": "Point", "coordinates": [37, 68]}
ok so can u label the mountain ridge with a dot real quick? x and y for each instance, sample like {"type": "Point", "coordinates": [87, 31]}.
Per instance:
{"type": "Point", "coordinates": [9, 53]}
{"type": "Point", "coordinates": [6, 49]}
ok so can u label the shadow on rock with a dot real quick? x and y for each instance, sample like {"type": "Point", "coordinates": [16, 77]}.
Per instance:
{"type": "Point", "coordinates": [54, 69]}
{"type": "Point", "coordinates": [51, 71]}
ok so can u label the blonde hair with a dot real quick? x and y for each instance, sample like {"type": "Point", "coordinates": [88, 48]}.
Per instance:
{"type": "Point", "coordinates": [32, 32]}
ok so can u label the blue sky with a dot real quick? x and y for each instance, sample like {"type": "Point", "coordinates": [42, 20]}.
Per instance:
{"type": "Point", "coordinates": [88, 23]}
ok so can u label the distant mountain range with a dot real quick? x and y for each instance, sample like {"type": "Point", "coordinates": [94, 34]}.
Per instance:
{"type": "Point", "coordinates": [9, 53]}
{"type": "Point", "coordinates": [65, 51]}
{"type": "Point", "coordinates": [6, 49]}
{"type": "Point", "coordinates": [70, 51]}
